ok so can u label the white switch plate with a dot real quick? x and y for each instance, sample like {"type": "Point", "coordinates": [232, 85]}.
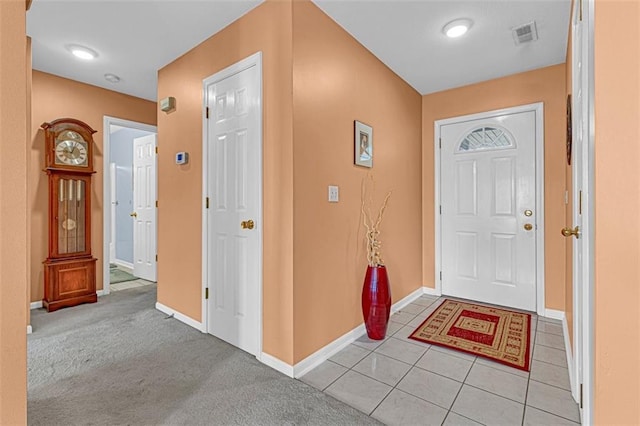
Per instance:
{"type": "Point", "coordinates": [333, 194]}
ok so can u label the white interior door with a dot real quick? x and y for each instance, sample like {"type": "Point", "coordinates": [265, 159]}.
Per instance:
{"type": "Point", "coordinates": [488, 217]}
{"type": "Point", "coordinates": [114, 203]}
{"type": "Point", "coordinates": [144, 205]}
{"type": "Point", "coordinates": [580, 194]}
{"type": "Point", "coordinates": [234, 227]}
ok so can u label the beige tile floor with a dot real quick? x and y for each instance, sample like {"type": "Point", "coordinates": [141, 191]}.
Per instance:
{"type": "Point", "coordinates": [128, 284]}
{"type": "Point", "coordinates": [405, 382]}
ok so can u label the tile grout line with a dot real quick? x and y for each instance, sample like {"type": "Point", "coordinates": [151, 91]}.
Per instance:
{"type": "Point", "coordinates": [460, 390]}
{"type": "Point", "coordinates": [549, 363]}
{"type": "Point", "coordinates": [394, 387]}
{"type": "Point", "coordinates": [553, 386]}
{"type": "Point", "coordinates": [526, 393]}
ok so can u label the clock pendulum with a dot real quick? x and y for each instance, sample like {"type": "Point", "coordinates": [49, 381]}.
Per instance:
{"type": "Point", "coordinates": [70, 268]}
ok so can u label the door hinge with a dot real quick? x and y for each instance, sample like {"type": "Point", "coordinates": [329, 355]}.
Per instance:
{"type": "Point", "coordinates": [440, 275]}
{"type": "Point", "coordinates": [156, 204]}
{"type": "Point", "coordinates": [156, 257]}
{"type": "Point", "coordinates": [440, 209]}
{"type": "Point", "coordinates": [207, 202]}
{"type": "Point", "coordinates": [206, 293]}
{"type": "Point", "coordinates": [440, 143]}
{"type": "Point", "coordinates": [580, 12]}
{"type": "Point", "coordinates": [580, 202]}
{"type": "Point", "coordinates": [207, 112]}
{"type": "Point", "coordinates": [156, 149]}
{"type": "Point", "coordinates": [580, 395]}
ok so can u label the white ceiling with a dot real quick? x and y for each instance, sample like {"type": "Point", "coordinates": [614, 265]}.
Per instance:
{"type": "Point", "coordinates": [407, 36]}
{"type": "Point", "coordinates": [136, 38]}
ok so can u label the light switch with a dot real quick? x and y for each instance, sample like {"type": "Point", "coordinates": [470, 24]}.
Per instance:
{"type": "Point", "coordinates": [333, 194]}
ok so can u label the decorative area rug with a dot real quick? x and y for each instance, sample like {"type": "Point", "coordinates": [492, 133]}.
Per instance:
{"type": "Point", "coordinates": [497, 334]}
{"type": "Point", "coordinates": [119, 276]}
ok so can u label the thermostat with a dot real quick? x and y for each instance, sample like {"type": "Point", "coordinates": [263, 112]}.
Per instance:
{"type": "Point", "coordinates": [182, 157]}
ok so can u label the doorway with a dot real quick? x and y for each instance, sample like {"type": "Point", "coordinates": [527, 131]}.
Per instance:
{"type": "Point", "coordinates": [232, 214]}
{"type": "Point", "coordinates": [489, 202]}
{"type": "Point", "coordinates": [124, 185]}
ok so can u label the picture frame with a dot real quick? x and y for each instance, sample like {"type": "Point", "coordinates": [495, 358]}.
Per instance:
{"type": "Point", "coordinates": [362, 144]}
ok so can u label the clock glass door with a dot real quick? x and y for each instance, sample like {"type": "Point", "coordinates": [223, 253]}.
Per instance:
{"type": "Point", "coordinates": [71, 215]}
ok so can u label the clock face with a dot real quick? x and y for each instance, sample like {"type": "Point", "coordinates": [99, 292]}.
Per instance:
{"type": "Point", "coordinates": [71, 149]}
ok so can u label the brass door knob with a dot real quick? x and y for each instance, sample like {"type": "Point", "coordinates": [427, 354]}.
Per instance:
{"type": "Point", "coordinates": [134, 214]}
{"type": "Point", "coordinates": [247, 224]}
{"type": "Point", "coordinates": [567, 232]}
{"type": "Point", "coordinates": [528, 227]}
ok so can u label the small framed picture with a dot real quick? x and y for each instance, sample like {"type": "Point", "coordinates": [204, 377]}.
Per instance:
{"type": "Point", "coordinates": [363, 145]}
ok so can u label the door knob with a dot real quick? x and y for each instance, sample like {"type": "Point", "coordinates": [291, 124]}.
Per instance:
{"type": "Point", "coordinates": [247, 224]}
{"type": "Point", "coordinates": [134, 214]}
{"type": "Point", "coordinates": [528, 213]}
{"type": "Point", "coordinates": [528, 227]}
{"type": "Point", "coordinates": [567, 232]}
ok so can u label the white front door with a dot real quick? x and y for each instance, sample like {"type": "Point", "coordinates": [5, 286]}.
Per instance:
{"type": "Point", "coordinates": [233, 218]}
{"type": "Point", "coordinates": [488, 217]}
{"type": "Point", "coordinates": [144, 207]}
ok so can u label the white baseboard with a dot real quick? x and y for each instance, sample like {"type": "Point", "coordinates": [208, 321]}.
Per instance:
{"type": "Point", "coordinates": [430, 291]}
{"type": "Point", "coordinates": [406, 300]}
{"type": "Point", "coordinates": [276, 364]}
{"type": "Point", "coordinates": [38, 304]}
{"type": "Point", "coordinates": [326, 352]}
{"type": "Point", "coordinates": [180, 317]}
{"type": "Point", "coordinates": [29, 329]}
{"type": "Point", "coordinates": [554, 314]}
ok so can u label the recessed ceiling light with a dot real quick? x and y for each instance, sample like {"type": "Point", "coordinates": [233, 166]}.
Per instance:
{"type": "Point", "coordinates": [457, 28]}
{"type": "Point", "coordinates": [82, 52]}
{"type": "Point", "coordinates": [112, 78]}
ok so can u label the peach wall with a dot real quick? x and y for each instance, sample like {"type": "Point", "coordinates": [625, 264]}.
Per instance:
{"type": "Point", "coordinates": [617, 203]}
{"type": "Point", "coordinates": [543, 85]}
{"type": "Point", "coordinates": [13, 212]}
{"type": "Point", "coordinates": [267, 28]}
{"type": "Point", "coordinates": [336, 80]}
{"type": "Point", "coordinates": [55, 97]}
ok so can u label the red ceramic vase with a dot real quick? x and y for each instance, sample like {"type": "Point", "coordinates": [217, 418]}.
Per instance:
{"type": "Point", "coordinates": [376, 302]}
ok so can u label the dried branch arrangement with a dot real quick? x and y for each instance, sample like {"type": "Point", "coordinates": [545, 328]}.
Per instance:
{"type": "Point", "coordinates": [374, 258]}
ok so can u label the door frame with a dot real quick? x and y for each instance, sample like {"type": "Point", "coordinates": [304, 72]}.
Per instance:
{"type": "Point", "coordinates": [254, 60]}
{"type": "Point", "coordinates": [106, 186]}
{"type": "Point", "coordinates": [538, 109]}
{"type": "Point", "coordinates": [583, 292]}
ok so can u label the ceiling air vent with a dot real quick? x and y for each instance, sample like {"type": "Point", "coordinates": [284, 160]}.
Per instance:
{"type": "Point", "coordinates": [525, 33]}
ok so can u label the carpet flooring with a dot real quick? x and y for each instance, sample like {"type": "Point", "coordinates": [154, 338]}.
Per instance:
{"type": "Point", "coordinates": [120, 361]}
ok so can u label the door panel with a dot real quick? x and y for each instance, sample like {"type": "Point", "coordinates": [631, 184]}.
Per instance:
{"type": "Point", "coordinates": [234, 135]}
{"type": "Point", "coordinates": [144, 208]}
{"type": "Point", "coordinates": [487, 183]}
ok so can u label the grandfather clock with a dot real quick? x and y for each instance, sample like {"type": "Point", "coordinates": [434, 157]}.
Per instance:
{"type": "Point", "coordinates": [70, 269]}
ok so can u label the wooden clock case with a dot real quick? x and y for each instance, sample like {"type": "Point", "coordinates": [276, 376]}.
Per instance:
{"type": "Point", "coordinates": [70, 268]}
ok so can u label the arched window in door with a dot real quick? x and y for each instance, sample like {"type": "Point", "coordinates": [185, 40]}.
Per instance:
{"type": "Point", "coordinates": [485, 138]}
